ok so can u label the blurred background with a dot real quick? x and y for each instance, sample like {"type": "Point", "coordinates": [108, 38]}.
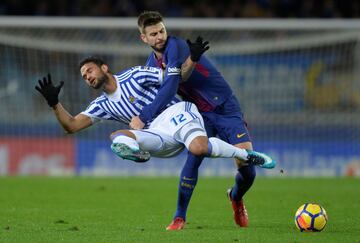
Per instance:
{"type": "Point", "coordinates": [294, 66]}
{"type": "Point", "coordinates": [187, 8]}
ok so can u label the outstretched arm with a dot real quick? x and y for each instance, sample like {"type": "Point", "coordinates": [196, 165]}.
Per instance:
{"type": "Point", "coordinates": [50, 92]}
{"type": "Point", "coordinates": [71, 124]}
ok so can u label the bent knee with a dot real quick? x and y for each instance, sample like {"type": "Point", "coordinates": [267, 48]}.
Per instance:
{"type": "Point", "coordinates": [199, 146]}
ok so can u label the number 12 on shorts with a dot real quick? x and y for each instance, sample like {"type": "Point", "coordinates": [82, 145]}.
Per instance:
{"type": "Point", "coordinates": [178, 119]}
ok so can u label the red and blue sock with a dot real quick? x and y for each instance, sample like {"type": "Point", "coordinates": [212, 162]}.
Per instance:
{"type": "Point", "coordinates": [243, 181]}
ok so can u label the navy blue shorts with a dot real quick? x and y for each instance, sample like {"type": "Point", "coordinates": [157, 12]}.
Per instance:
{"type": "Point", "coordinates": [227, 122]}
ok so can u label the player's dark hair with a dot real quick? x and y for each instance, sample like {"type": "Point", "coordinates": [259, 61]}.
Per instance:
{"type": "Point", "coordinates": [148, 18]}
{"type": "Point", "coordinates": [94, 59]}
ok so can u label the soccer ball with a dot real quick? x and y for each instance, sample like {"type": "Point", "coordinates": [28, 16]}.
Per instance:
{"type": "Point", "coordinates": [311, 217]}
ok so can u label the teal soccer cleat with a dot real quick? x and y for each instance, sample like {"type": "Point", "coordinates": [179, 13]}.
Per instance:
{"type": "Point", "coordinates": [125, 152]}
{"type": "Point", "coordinates": [260, 159]}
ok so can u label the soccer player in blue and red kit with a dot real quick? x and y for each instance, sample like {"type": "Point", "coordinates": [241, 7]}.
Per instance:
{"type": "Point", "coordinates": [205, 87]}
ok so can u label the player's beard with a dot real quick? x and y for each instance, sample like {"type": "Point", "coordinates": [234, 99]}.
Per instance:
{"type": "Point", "coordinates": [101, 81]}
{"type": "Point", "coordinates": [158, 49]}
{"type": "Point", "coordinates": [161, 50]}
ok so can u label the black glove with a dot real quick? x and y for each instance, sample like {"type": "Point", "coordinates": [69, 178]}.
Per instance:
{"type": "Point", "coordinates": [49, 91]}
{"type": "Point", "coordinates": [197, 48]}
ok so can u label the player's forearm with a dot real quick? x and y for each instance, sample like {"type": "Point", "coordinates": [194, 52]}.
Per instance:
{"type": "Point", "coordinates": [164, 96]}
{"type": "Point", "coordinates": [66, 120]}
{"type": "Point", "coordinates": [186, 69]}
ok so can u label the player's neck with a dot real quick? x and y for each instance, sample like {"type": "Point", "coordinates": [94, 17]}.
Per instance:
{"type": "Point", "coordinates": [158, 55]}
{"type": "Point", "coordinates": [110, 85]}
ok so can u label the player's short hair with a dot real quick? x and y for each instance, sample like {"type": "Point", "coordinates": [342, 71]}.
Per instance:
{"type": "Point", "coordinates": [148, 18]}
{"type": "Point", "coordinates": [94, 59]}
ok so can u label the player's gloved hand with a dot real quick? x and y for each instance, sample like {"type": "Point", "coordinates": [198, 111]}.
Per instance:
{"type": "Point", "coordinates": [197, 48]}
{"type": "Point", "coordinates": [49, 91]}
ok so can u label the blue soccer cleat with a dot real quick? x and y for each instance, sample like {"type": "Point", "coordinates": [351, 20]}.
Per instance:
{"type": "Point", "coordinates": [260, 159]}
{"type": "Point", "coordinates": [125, 152]}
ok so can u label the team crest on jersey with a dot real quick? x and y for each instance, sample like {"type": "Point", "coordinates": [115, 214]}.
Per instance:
{"type": "Point", "coordinates": [132, 99]}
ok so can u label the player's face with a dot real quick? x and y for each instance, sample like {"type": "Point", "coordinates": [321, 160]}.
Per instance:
{"type": "Point", "coordinates": [94, 75]}
{"type": "Point", "coordinates": [155, 36]}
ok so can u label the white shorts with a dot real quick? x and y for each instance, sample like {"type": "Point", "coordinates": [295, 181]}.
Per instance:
{"type": "Point", "coordinates": [175, 127]}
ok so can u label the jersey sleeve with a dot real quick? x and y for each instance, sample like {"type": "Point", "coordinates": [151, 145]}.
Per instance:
{"type": "Point", "coordinates": [169, 86]}
{"type": "Point", "coordinates": [148, 76]}
{"type": "Point", "coordinates": [96, 113]}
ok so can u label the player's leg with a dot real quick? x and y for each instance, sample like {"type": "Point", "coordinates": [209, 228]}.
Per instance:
{"type": "Point", "coordinates": [187, 126]}
{"type": "Point", "coordinates": [124, 145]}
{"type": "Point", "coordinates": [244, 179]}
{"type": "Point", "coordinates": [138, 145]}
{"type": "Point", "coordinates": [194, 137]}
{"type": "Point", "coordinates": [246, 175]}
{"type": "Point", "coordinates": [187, 183]}
{"type": "Point", "coordinates": [185, 123]}
{"type": "Point", "coordinates": [213, 147]}
{"type": "Point", "coordinates": [158, 143]}
{"type": "Point", "coordinates": [232, 128]}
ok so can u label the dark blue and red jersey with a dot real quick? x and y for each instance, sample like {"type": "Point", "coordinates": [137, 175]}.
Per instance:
{"type": "Point", "coordinates": [206, 87]}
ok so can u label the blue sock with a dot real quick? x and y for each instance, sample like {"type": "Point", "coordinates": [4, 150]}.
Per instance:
{"type": "Point", "coordinates": [243, 181]}
{"type": "Point", "coordinates": [188, 180]}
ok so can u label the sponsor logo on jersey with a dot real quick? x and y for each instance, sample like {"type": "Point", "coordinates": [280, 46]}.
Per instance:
{"type": "Point", "coordinates": [148, 68]}
{"type": "Point", "coordinates": [240, 135]}
{"type": "Point", "coordinates": [173, 70]}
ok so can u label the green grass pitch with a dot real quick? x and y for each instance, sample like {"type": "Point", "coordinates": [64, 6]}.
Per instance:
{"type": "Point", "coordinates": [137, 209]}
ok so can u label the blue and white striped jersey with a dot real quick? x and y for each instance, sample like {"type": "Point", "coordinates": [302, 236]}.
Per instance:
{"type": "Point", "coordinates": [137, 87]}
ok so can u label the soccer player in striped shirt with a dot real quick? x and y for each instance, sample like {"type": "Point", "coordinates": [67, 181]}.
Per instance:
{"type": "Point", "coordinates": [125, 94]}
{"type": "Point", "coordinates": [208, 90]}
